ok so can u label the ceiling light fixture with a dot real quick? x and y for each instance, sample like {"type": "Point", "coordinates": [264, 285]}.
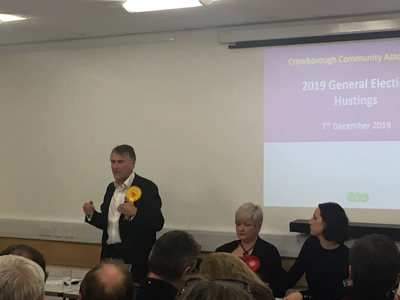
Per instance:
{"type": "Point", "coordinates": [10, 18]}
{"type": "Point", "coordinates": [134, 6]}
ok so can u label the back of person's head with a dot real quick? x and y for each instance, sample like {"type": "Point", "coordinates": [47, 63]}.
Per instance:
{"type": "Point", "coordinates": [28, 252]}
{"type": "Point", "coordinates": [375, 263]}
{"type": "Point", "coordinates": [261, 292]}
{"type": "Point", "coordinates": [173, 255]}
{"type": "Point", "coordinates": [216, 290]}
{"type": "Point", "coordinates": [336, 222]}
{"type": "Point", "coordinates": [222, 265]}
{"type": "Point", "coordinates": [20, 279]}
{"type": "Point", "coordinates": [108, 280]}
{"type": "Point", "coordinates": [249, 210]}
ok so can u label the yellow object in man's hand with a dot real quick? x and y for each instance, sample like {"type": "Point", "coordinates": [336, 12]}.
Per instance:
{"type": "Point", "coordinates": [133, 194]}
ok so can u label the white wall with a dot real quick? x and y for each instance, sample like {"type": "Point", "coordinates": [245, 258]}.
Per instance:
{"type": "Point", "coordinates": [192, 109]}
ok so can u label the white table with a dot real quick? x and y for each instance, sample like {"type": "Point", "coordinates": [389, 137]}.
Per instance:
{"type": "Point", "coordinates": [72, 294]}
{"type": "Point", "coordinates": [54, 290]}
{"type": "Point", "coordinates": [58, 291]}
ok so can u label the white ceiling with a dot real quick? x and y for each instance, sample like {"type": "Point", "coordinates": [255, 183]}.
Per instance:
{"type": "Point", "coordinates": [70, 19]}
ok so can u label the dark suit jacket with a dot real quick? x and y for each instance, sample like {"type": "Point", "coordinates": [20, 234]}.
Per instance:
{"type": "Point", "coordinates": [270, 270]}
{"type": "Point", "coordinates": [155, 289]}
{"type": "Point", "coordinates": [139, 234]}
{"type": "Point", "coordinates": [364, 293]}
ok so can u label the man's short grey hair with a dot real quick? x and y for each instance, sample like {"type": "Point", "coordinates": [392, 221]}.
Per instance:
{"type": "Point", "coordinates": [20, 279]}
{"type": "Point", "coordinates": [249, 210]}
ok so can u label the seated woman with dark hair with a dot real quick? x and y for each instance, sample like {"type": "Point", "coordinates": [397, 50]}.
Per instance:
{"type": "Point", "coordinates": [261, 256]}
{"type": "Point", "coordinates": [27, 252]}
{"type": "Point", "coordinates": [323, 258]}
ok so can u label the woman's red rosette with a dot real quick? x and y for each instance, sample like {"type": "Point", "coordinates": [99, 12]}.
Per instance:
{"type": "Point", "coordinates": [253, 262]}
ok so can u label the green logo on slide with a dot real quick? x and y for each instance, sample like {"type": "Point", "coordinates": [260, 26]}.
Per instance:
{"type": "Point", "coordinates": [357, 197]}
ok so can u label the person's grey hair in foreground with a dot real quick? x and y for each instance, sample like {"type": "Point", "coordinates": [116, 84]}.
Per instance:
{"type": "Point", "coordinates": [20, 279]}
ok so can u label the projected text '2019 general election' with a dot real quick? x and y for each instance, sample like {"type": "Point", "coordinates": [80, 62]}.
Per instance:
{"type": "Point", "coordinates": [332, 124]}
{"type": "Point", "coordinates": [351, 95]}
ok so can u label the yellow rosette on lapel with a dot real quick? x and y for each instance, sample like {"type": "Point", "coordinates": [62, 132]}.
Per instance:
{"type": "Point", "coordinates": [133, 194]}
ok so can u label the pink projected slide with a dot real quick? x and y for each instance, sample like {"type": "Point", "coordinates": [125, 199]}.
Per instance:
{"type": "Point", "coordinates": [335, 92]}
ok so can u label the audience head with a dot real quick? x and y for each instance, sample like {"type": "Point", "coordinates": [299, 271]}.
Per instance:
{"type": "Point", "coordinates": [28, 252]}
{"type": "Point", "coordinates": [222, 265]}
{"type": "Point", "coordinates": [20, 279]}
{"type": "Point", "coordinates": [174, 255]}
{"type": "Point", "coordinates": [330, 222]}
{"type": "Point", "coordinates": [261, 292]}
{"type": "Point", "coordinates": [374, 263]}
{"type": "Point", "coordinates": [216, 290]}
{"type": "Point", "coordinates": [108, 280]}
{"type": "Point", "coordinates": [227, 266]}
{"type": "Point", "coordinates": [248, 219]}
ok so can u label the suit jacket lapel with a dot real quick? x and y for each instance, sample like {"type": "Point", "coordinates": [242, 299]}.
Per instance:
{"type": "Point", "coordinates": [135, 179]}
{"type": "Point", "coordinates": [122, 217]}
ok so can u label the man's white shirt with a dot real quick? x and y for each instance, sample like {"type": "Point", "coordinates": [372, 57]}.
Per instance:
{"type": "Point", "coordinates": [113, 215]}
{"type": "Point", "coordinates": [117, 199]}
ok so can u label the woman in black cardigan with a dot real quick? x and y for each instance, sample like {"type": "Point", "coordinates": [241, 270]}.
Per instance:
{"type": "Point", "coordinates": [261, 256]}
{"type": "Point", "coordinates": [323, 258]}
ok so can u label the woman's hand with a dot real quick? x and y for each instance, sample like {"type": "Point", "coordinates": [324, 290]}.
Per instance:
{"type": "Point", "coordinates": [294, 296]}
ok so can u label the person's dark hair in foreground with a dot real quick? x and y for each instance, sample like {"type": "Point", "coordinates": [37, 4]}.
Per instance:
{"type": "Point", "coordinates": [374, 267]}
{"type": "Point", "coordinates": [27, 252]}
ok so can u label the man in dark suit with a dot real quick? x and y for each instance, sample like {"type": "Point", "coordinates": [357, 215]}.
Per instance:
{"type": "Point", "coordinates": [129, 228]}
